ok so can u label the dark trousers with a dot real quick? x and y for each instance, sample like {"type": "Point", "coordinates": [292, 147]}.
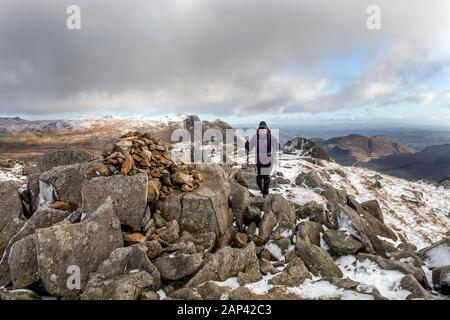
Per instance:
{"type": "Point", "coordinates": [263, 181]}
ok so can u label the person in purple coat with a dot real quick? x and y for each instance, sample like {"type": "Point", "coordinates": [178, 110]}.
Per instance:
{"type": "Point", "coordinates": [266, 147]}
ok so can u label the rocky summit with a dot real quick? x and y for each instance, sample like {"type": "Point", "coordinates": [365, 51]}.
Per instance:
{"type": "Point", "coordinates": [133, 224]}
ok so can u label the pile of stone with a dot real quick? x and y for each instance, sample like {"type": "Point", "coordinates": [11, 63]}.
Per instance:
{"type": "Point", "coordinates": [138, 152]}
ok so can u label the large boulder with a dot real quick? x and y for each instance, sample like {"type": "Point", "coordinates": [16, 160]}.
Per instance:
{"type": "Point", "coordinates": [123, 276]}
{"type": "Point", "coordinates": [63, 158]}
{"type": "Point", "coordinates": [317, 259]}
{"type": "Point", "coordinates": [239, 202]}
{"type": "Point", "coordinates": [178, 266]}
{"type": "Point", "coordinates": [44, 217]}
{"type": "Point", "coordinates": [205, 209]}
{"type": "Point", "coordinates": [341, 243]}
{"type": "Point", "coordinates": [128, 195]}
{"type": "Point", "coordinates": [23, 263]}
{"type": "Point", "coordinates": [229, 262]}
{"type": "Point", "coordinates": [61, 183]}
{"type": "Point", "coordinates": [84, 245]}
{"type": "Point", "coordinates": [247, 179]}
{"type": "Point", "coordinates": [11, 212]}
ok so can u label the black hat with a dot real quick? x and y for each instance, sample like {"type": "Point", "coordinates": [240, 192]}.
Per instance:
{"type": "Point", "coordinates": [262, 125]}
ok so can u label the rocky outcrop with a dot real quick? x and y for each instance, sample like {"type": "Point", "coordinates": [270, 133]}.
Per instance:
{"type": "Point", "coordinates": [58, 158]}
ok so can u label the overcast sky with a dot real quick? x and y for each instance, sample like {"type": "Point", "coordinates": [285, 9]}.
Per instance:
{"type": "Point", "coordinates": [241, 60]}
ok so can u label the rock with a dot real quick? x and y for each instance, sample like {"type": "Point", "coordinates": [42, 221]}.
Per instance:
{"type": "Point", "coordinates": [58, 158]}
{"type": "Point", "coordinates": [241, 293]}
{"type": "Point", "coordinates": [170, 233]}
{"type": "Point", "coordinates": [62, 183]}
{"type": "Point", "coordinates": [240, 239]}
{"type": "Point", "coordinates": [321, 215]}
{"type": "Point", "coordinates": [438, 254]}
{"type": "Point", "coordinates": [332, 196]}
{"type": "Point", "coordinates": [133, 238]}
{"type": "Point", "coordinates": [63, 206]}
{"type": "Point", "coordinates": [267, 224]}
{"type": "Point", "coordinates": [11, 212]}
{"type": "Point", "coordinates": [377, 227]}
{"type": "Point", "coordinates": [20, 294]}
{"type": "Point", "coordinates": [441, 279]}
{"type": "Point", "coordinates": [123, 276]}
{"type": "Point", "coordinates": [150, 295]}
{"type": "Point", "coordinates": [229, 262]}
{"type": "Point", "coordinates": [318, 261]}
{"type": "Point", "coordinates": [209, 291]}
{"type": "Point", "coordinates": [205, 241]}
{"type": "Point", "coordinates": [44, 217]}
{"type": "Point", "coordinates": [373, 207]}
{"type": "Point", "coordinates": [206, 208]}
{"type": "Point", "coordinates": [152, 248]}
{"type": "Point", "coordinates": [123, 146]}
{"type": "Point", "coordinates": [247, 179]}
{"type": "Point", "coordinates": [267, 267]}
{"type": "Point", "coordinates": [128, 195]}
{"type": "Point", "coordinates": [96, 169]}
{"type": "Point", "coordinates": [410, 284]}
{"type": "Point", "coordinates": [382, 247]}
{"type": "Point", "coordinates": [340, 243]}
{"type": "Point", "coordinates": [283, 209]}
{"type": "Point", "coordinates": [293, 275]}
{"type": "Point", "coordinates": [185, 294]}
{"type": "Point", "coordinates": [22, 262]}
{"type": "Point", "coordinates": [178, 266]}
{"type": "Point", "coordinates": [128, 286]}
{"type": "Point", "coordinates": [85, 244]}
{"type": "Point", "coordinates": [239, 201]}
{"type": "Point", "coordinates": [311, 230]}
{"type": "Point", "coordinates": [309, 179]}
{"type": "Point", "coordinates": [408, 247]}
{"type": "Point", "coordinates": [154, 188]}
{"type": "Point", "coordinates": [127, 165]}
{"type": "Point", "coordinates": [305, 210]}
{"type": "Point", "coordinates": [407, 257]}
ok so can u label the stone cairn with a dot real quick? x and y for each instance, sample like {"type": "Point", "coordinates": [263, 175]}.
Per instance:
{"type": "Point", "coordinates": [138, 152]}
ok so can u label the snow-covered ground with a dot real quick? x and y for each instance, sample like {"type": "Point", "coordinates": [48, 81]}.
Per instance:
{"type": "Point", "coordinates": [15, 174]}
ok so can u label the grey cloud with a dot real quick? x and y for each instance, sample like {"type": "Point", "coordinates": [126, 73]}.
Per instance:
{"type": "Point", "coordinates": [218, 57]}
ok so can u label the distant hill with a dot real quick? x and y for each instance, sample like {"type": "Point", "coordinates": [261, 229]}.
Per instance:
{"type": "Point", "coordinates": [357, 148]}
{"type": "Point", "coordinates": [433, 163]}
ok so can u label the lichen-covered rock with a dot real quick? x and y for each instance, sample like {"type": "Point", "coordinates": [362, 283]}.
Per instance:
{"type": "Point", "coordinates": [23, 263]}
{"type": "Point", "coordinates": [229, 262]}
{"type": "Point", "coordinates": [11, 212]}
{"type": "Point", "coordinates": [128, 195]}
{"type": "Point", "coordinates": [44, 217]}
{"type": "Point", "coordinates": [178, 266]}
{"type": "Point", "coordinates": [318, 261]}
{"type": "Point", "coordinates": [309, 179]}
{"type": "Point", "coordinates": [85, 245]}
